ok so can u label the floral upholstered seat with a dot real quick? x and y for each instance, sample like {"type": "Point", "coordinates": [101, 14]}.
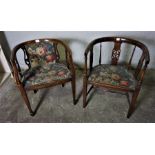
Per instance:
{"type": "Point", "coordinates": [44, 66]}
{"type": "Point", "coordinates": [113, 75]}
{"type": "Point", "coordinates": [45, 74]}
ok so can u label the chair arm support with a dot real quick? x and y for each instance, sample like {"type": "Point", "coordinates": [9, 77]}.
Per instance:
{"type": "Point", "coordinates": [88, 49]}
{"type": "Point", "coordinates": [142, 73]}
{"type": "Point", "coordinates": [72, 68]}
{"type": "Point", "coordinates": [69, 61]}
{"type": "Point", "coordinates": [15, 73]}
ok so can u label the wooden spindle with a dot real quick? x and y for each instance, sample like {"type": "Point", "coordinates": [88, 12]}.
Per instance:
{"type": "Point", "coordinates": [100, 54]}
{"type": "Point", "coordinates": [129, 64]}
{"type": "Point", "coordinates": [91, 59]}
{"type": "Point", "coordinates": [139, 66]}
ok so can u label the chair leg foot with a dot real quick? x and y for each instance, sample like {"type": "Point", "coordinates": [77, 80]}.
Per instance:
{"type": "Point", "coordinates": [128, 115]}
{"type": "Point", "coordinates": [32, 113]}
{"type": "Point", "coordinates": [84, 105]}
{"type": "Point", "coordinates": [131, 109]}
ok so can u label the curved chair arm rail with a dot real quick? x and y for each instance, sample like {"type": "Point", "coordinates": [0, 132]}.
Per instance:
{"type": "Point", "coordinates": [16, 48]}
{"type": "Point", "coordinates": [121, 40]}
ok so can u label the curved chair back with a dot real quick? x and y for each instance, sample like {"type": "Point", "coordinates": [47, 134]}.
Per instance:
{"type": "Point", "coordinates": [118, 41]}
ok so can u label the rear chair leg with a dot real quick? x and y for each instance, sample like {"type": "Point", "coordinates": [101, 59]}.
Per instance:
{"type": "Point", "coordinates": [24, 95]}
{"type": "Point", "coordinates": [84, 92]}
{"type": "Point", "coordinates": [74, 90]}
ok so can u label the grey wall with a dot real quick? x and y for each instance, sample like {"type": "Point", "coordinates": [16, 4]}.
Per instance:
{"type": "Point", "coordinates": [78, 40]}
{"type": "Point", "coordinates": [5, 45]}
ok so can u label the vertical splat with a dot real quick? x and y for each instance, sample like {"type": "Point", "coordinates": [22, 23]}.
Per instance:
{"type": "Point", "coordinates": [116, 52]}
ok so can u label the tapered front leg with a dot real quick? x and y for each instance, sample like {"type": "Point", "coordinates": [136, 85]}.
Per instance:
{"type": "Point", "coordinates": [25, 97]}
{"type": "Point", "coordinates": [133, 103]}
{"type": "Point", "coordinates": [73, 83]}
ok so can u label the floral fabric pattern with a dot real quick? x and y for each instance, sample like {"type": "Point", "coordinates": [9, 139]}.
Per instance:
{"type": "Point", "coordinates": [41, 53]}
{"type": "Point", "coordinates": [45, 74]}
{"type": "Point", "coordinates": [113, 75]}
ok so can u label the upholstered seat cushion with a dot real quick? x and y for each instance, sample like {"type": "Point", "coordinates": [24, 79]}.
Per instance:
{"type": "Point", "coordinates": [45, 74]}
{"type": "Point", "coordinates": [113, 75]}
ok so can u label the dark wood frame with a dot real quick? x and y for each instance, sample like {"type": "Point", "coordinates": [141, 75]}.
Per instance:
{"type": "Point", "coordinates": [138, 74]}
{"type": "Point", "coordinates": [17, 74]}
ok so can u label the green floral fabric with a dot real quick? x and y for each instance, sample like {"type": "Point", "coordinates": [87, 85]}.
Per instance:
{"type": "Point", "coordinates": [45, 74]}
{"type": "Point", "coordinates": [113, 75]}
{"type": "Point", "coordinates": [41, 53]}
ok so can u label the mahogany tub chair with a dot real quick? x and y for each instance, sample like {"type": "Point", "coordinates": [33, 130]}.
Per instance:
{"type": "Point", "coordinates": [45, 67]}
{"type": "Point", "coordinates": [115, 76]}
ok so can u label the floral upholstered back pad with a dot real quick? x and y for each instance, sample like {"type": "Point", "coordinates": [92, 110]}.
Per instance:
{"type": "Point", "coordinates": [41, 53]}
